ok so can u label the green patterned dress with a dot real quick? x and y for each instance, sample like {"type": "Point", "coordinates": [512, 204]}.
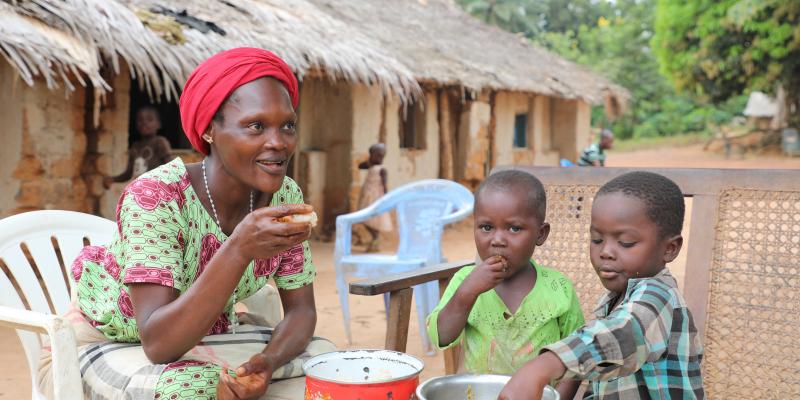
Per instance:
{"type": "Point", "coordinates": [166, 237]}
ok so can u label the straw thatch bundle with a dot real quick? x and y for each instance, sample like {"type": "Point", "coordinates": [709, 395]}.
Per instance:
{"type": "Point", "coordinates": [441, 43]}
{"type": "Point", "coordinates": [392, 43]}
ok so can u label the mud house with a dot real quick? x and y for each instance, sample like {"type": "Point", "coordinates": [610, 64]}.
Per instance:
{"type": "Point", "coordinates": [450, 96]}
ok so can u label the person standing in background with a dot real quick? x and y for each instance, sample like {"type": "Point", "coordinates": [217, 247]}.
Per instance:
{"type": "Point", "coordinates": [374, 188]}
{"type": "Point", "coordinates": [594, 155]}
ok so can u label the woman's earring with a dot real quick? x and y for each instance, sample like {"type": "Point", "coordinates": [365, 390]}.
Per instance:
{"type": "Point", "coordinates": [208, 139]}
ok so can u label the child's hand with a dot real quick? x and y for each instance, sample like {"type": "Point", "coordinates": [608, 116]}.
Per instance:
{"type": "Point", "coordinates": [519, 388]}
{"type": "Point", "coordinates": [529, 381]}
{"type": "Point", "coordinates": [486, 275]}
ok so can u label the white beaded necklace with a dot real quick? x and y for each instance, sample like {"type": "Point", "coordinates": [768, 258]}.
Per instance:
{"type": "Point", "coordinates": [233, 318]}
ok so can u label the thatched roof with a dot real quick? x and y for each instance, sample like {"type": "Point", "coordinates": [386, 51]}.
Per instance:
{"type": "Point", "coordinates": [441, 43]}
{"type": "Point", "coordinates": [392, 43]}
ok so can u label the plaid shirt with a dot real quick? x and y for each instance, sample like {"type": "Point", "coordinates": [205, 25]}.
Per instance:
{"type": "Point", "coordinates": [646, 348]}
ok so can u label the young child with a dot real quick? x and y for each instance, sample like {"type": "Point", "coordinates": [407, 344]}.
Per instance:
{"type": "Point", "coordinates": [374, 188]}
{"type": "Point", "coordinates": [643, 344]}
{"type": "Point", "coordinates": [505, 308]}
{"type": "Point", "coordinates": [149, 151]}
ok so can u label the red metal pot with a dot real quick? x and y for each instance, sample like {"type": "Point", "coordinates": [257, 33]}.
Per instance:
{"type": "Point", "coordinates": [362, 375]}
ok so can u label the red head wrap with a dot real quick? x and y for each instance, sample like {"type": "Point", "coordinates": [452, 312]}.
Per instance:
{"type": "Point", "coordinates": [216, 78]}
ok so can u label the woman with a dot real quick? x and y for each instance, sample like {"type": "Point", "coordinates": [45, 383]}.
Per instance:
{"type": "Point", "coordinates": [195, 239]}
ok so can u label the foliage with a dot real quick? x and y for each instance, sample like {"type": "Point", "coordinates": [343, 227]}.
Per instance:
{"type": "Point", "coordinates": [720, 49]}
{"type": "Point", "coordinates": [533, 17]}
{"type": "Point", "coordinates": [612, 38]}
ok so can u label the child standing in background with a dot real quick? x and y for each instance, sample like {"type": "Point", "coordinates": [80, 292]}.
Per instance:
{"type": "Point", "coordinates": [505, 308]}
{"type": "Point", "coordinates": [374, 188]}
{"type": "Point", "coordinates": [149, 151]}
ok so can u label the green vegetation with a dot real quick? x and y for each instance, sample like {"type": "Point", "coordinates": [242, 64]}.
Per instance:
{"type": "Point", "coordinates": [719, 49]}
{"type": "Point", "coordinates": [617, 39]}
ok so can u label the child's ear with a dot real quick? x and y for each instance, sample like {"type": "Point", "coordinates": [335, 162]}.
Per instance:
{"type": "Point", "coordinates": [673, 247]}
{"type": "Point", "coordinates": [544, 231]}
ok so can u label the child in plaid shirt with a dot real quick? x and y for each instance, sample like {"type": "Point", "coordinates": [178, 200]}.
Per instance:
{"type": "Point", "coordinates": [643, 344]}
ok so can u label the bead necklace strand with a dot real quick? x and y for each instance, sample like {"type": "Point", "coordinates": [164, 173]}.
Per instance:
{"type": "Point", "coordinates": [233, 318]}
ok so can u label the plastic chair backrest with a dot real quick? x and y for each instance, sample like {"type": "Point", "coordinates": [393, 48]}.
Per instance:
{"type": "Point", "coordinates": [52, 240]}
{"type": "Point", "coordinates": [423, 208]}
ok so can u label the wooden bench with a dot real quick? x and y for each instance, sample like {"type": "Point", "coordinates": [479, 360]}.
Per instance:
{"type": "Point", "coordinates": [741, 281]}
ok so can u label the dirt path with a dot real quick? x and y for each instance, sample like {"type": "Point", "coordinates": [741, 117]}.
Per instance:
{"type": "Point", "coordinates": [368, 318]}
{"type": "Point", "coordinates": [694, 157]}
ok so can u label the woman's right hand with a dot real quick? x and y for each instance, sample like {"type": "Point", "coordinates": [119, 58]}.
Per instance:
{"type": "Point", "coordinates": [260, 235]}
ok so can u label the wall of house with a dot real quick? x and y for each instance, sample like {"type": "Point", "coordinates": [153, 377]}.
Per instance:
{"type": "Point", "coordinates": [368, 111]}
{"type": "Point", "coordinates": [472, 159]}
{"type": "Point", "coordinates": [11, 106]}
{"type": "Point", "coordinates": [311, 167]}
{"type": "Point", "coordinates": [339, 122]}
{"type": "Point", "coordinates": [571, 122]}
{"type": "Point", "coordinates": [408, 165]}
{"type": "Point", "coordinates": [372, 119]}
{"type": "Point", "coordinates": [544, 153]}
{"type": "Point", "coordinates": [506, 107]}
{"type": "Point", "coordinates": [583, 126]}
{"type": "Point", "coordinates": [556, 128]}
{"type": "Point", "coordinates": [449, 106]}
{"type": "Point", "coordinates": [111, 136]}
{"type": "Point", "coordinates": [325, 123]}
{"type": "Point", "coordinates": [43, 147]}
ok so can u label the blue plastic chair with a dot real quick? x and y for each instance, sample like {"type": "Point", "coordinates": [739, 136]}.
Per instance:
{"type": "Point", "coordinates": [423, 209]}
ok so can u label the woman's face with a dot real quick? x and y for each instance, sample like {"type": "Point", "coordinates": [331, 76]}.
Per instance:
{"type": "Point", "coordinates": [256, 136]}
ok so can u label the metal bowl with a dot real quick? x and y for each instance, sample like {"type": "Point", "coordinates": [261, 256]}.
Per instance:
{"type": "Point", "coordinates": [458, 387]}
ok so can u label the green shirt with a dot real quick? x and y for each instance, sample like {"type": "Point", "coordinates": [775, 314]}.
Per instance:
{"type": "Point", "coordinates": [494, 344]}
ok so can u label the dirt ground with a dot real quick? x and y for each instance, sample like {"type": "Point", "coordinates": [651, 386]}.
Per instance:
{"type": "Point", "coordinates": [368, 318]}
{"type": "Point", "coordinates": [694, 157]}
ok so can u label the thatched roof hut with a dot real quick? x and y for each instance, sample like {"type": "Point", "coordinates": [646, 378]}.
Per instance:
{"type": "Point", "coordinates": [439, 42]}
{"type": "Point", "coordinates": [395, 44]}
{"type": "Point", "coordinates": [449, 95]}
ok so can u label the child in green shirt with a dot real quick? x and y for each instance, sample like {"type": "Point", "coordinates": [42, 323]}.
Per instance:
{"type": "Point", "coordinates": [505, 308]}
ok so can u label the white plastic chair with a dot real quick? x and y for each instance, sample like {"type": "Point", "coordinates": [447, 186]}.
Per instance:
{"type": "Point", "coordinates": [33, 316]}
{"type": "Point", "coordinates": [423, 209]}
{"type": "Point", "coordinates": [53, 239]}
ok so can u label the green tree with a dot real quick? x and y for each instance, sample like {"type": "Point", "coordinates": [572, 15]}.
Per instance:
{"type": "Point", "coordinates": [617, 45]}
{"type": "Point", "coordinates": [533, 17]}
{"type": "Point", "coordinates": [512, 15]}
{"type": "Point", "coordinates": [614, 39]}
{"type": "Point", "coordinates": [717, 49]}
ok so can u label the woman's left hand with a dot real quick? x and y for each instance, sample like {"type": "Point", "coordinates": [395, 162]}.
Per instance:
{"type": "Point", "coordinates": [251, 381]}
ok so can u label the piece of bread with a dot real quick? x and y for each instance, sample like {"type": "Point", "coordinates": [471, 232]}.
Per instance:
{"type": "Point", "coordinates": [311, 218]}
